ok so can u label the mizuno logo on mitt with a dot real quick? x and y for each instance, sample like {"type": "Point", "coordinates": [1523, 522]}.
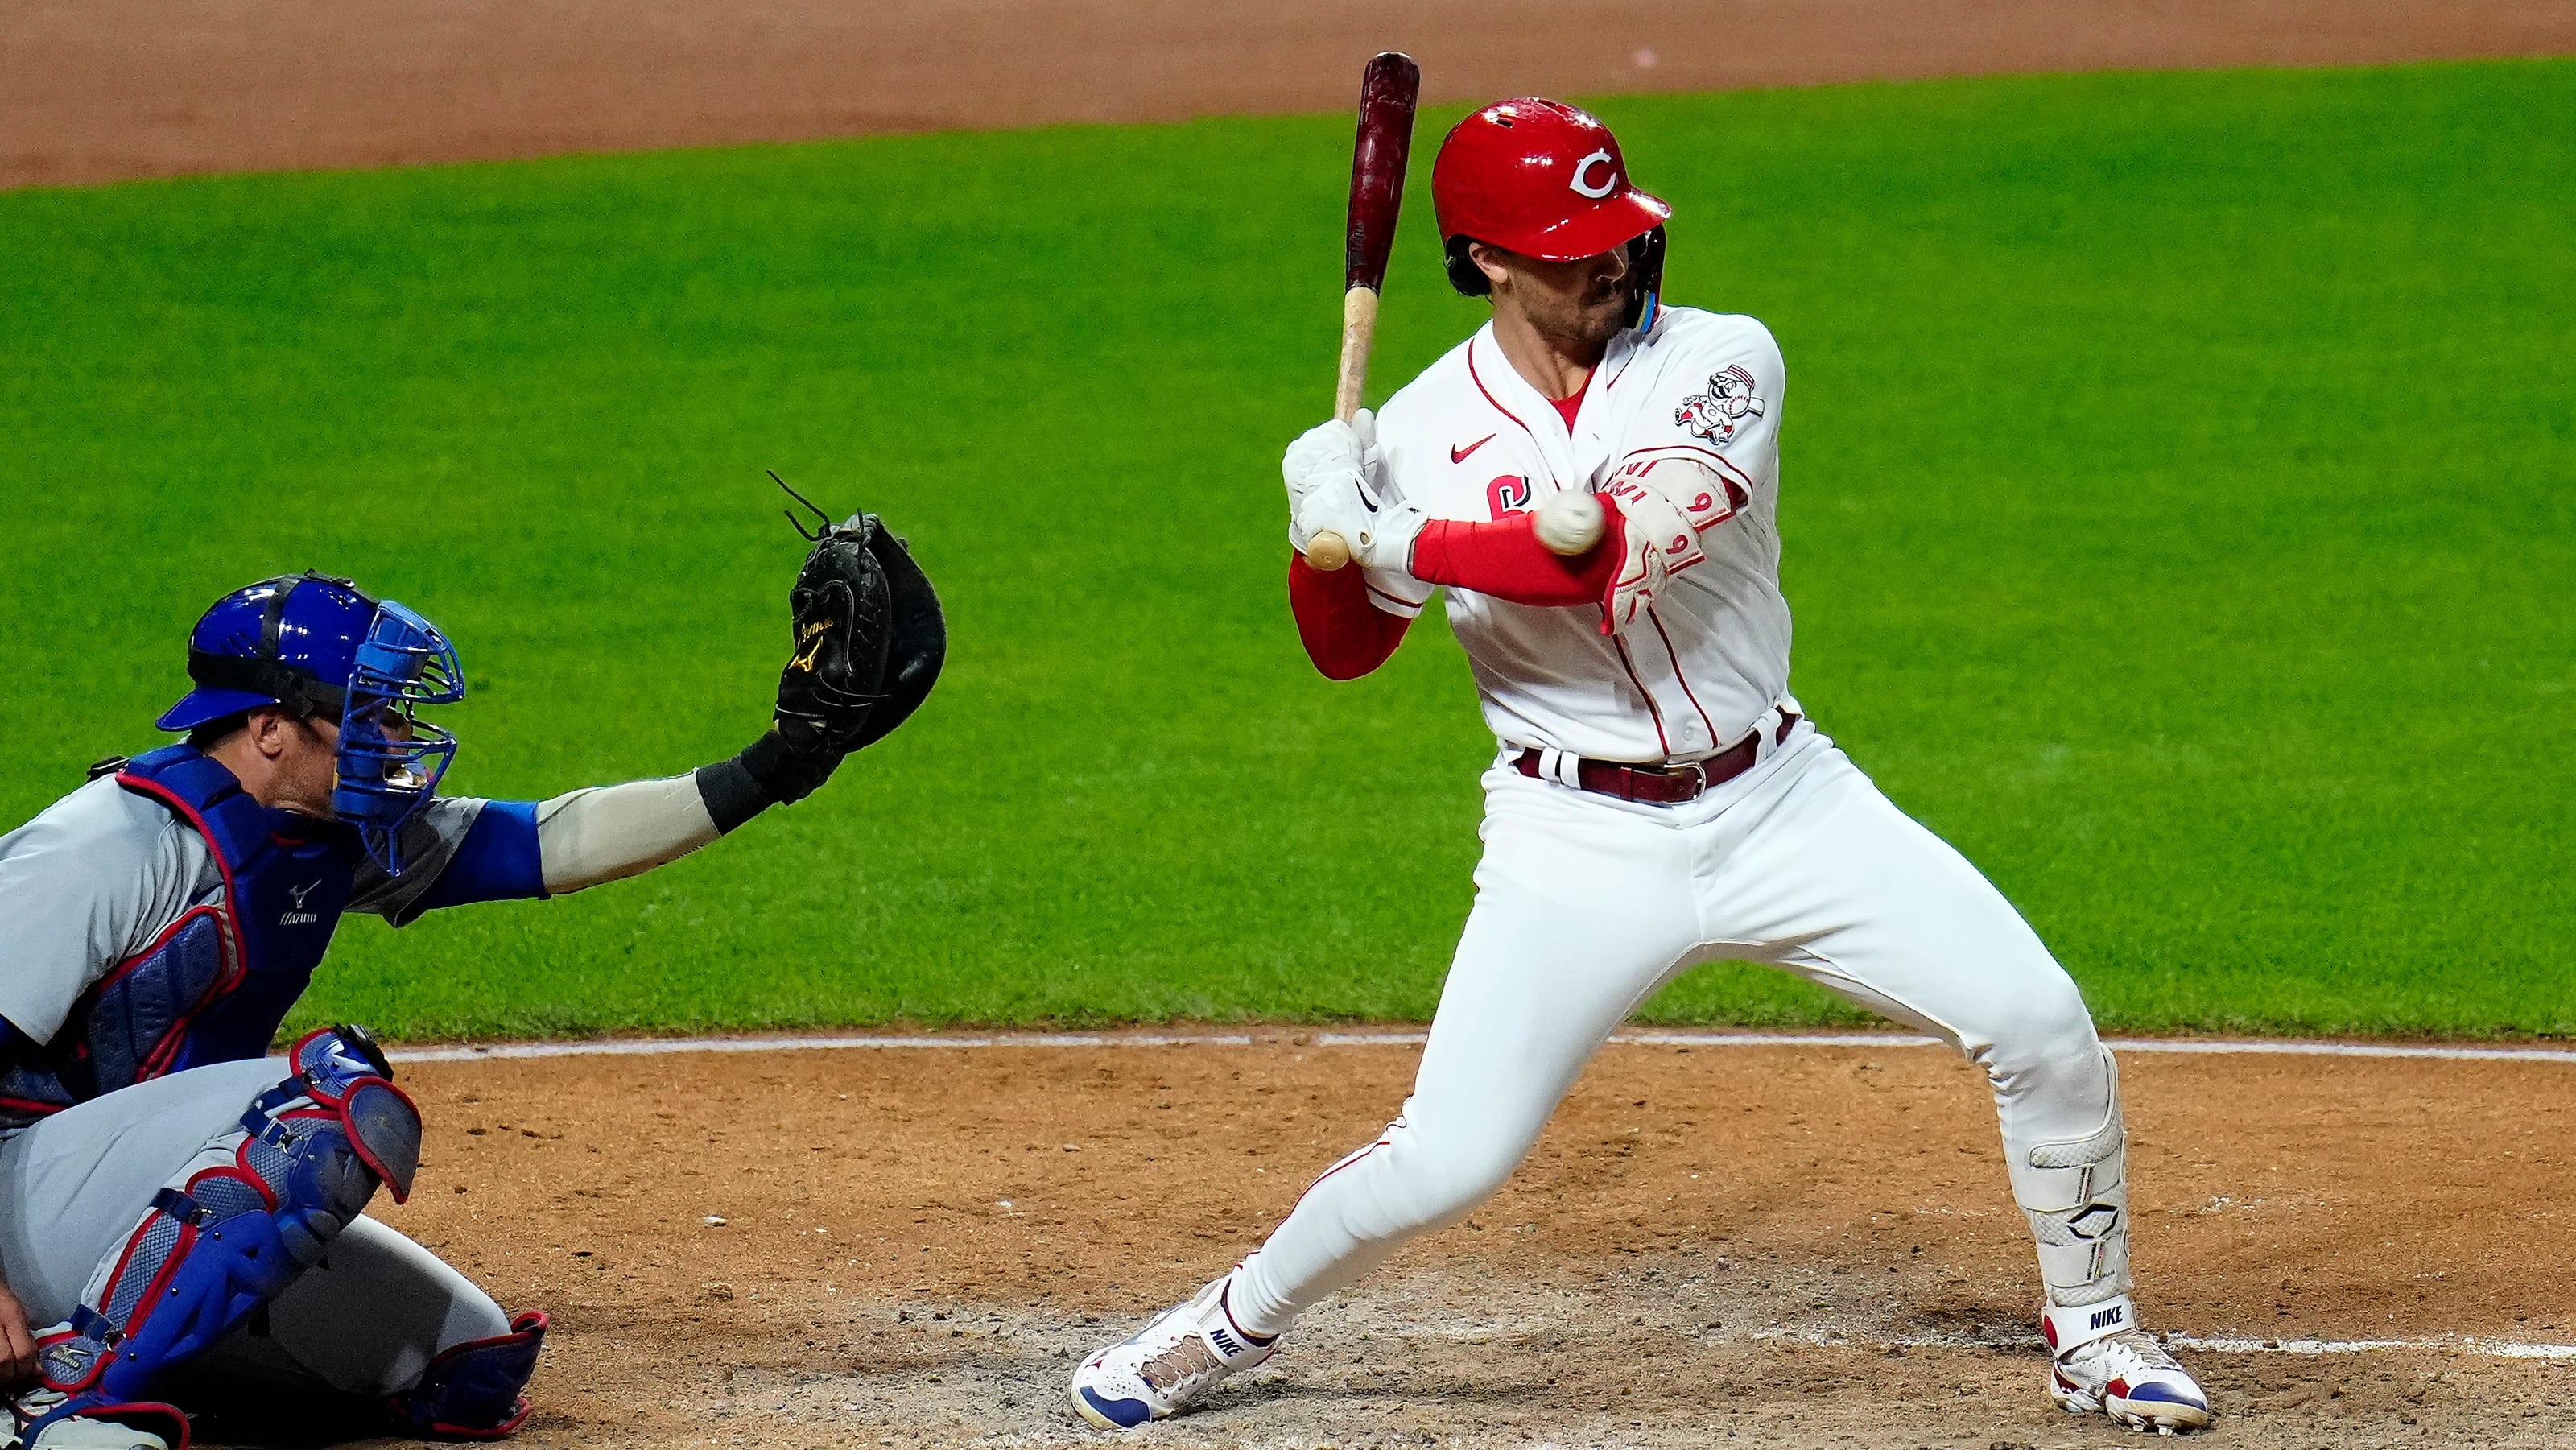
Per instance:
{"type": "Point", "coordinates": [814, 634]}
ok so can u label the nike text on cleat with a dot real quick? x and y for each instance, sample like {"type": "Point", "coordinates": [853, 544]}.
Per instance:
{"type": "Point", "coordinates": [2105, 1362]}
{"type": "Point", "coordinates": [1187, 1350]}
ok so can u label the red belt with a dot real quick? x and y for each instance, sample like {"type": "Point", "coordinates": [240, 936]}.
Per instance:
{"type": "Point", "coordinates": [1665, 785]}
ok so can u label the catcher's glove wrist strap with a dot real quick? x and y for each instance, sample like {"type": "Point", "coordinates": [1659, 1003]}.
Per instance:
{"type": "Point", "coordinates": [768, 772]}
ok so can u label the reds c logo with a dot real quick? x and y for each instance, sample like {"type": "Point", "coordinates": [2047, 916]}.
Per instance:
{"type": "Point", "coordinates": [1583, 170]}
{"type": "Point", "coordinates": [1507, 495]}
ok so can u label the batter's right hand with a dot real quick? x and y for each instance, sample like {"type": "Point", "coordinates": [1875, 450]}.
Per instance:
{"type": "Point", "coordinates": [1330, 453]}
{"type": "Point", "coordinates": [1379, 531]}
{"type": "Point", "coordinates": [17, 1342]}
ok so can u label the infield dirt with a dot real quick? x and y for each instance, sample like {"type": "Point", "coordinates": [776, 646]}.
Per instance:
{"type": "Point", "coordinates": [98, 90]}
{"type": "Point", "coordinates": [1786, 1246]}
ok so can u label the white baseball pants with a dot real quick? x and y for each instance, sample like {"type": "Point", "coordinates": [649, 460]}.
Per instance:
{"type": "Point", "coordinates": [1585, 905]}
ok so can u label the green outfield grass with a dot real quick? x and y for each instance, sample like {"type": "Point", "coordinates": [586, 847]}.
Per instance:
{"type": "Point", "coordinates": [2177, 506]}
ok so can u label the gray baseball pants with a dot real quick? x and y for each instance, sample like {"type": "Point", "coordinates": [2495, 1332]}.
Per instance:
{"type": "Point", "coordinates": [366, 1321]}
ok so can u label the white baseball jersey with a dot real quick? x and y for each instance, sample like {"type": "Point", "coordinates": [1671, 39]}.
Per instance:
{"type": "Point", "coordinates": [1470, 439]}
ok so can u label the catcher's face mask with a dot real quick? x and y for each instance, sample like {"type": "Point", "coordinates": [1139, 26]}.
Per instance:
{"type": "Point", "coordinates": [390, 759]}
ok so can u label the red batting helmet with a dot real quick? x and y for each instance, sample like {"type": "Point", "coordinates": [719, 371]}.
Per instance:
{"type": "Point", "coordinates": [1543, 179]}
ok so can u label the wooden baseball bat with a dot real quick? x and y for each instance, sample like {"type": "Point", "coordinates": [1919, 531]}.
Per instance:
{"type": "Point", "coordinates": [1388, 90]}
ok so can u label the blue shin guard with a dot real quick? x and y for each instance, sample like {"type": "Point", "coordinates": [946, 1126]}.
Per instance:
{"type": "Point", "coordinates": [255, 1207]}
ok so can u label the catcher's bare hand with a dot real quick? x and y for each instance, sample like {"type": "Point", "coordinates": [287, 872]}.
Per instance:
{"type": "Point", "coordinates": [17, 1342]}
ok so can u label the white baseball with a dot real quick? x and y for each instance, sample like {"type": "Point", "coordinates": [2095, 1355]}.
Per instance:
{"type": "Point", "coordinates": [1569, 523]}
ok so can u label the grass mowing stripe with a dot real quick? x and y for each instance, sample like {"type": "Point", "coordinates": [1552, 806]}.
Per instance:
{"type": "Point", "coordinates": [2174, 502]}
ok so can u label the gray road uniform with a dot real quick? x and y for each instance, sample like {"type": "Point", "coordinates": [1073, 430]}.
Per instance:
{"type": "Point", "coordinates": [173, 1201]}
{"type": "Point", "coordinates": [104, 897]}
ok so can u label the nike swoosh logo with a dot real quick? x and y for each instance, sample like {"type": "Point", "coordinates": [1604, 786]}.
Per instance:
{"type": "Point", "coordinates": [1459, 455]}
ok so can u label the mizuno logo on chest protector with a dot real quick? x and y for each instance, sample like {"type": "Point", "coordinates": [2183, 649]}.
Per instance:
{"type": "Point", "coordinates": [297, 915]}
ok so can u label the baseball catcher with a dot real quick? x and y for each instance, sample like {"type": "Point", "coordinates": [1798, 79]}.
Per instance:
{"type": "Point", "coordinates": [168, 1194]}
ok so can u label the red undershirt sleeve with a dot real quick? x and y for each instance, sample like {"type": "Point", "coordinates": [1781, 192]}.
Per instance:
{"type": "Point", "coordinates": [1505, 559]}
{"type": "Point", "coordinates": [1345, 635]}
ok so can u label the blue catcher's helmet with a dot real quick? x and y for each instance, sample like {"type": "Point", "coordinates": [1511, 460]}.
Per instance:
{"type": "Point", "coordinates": [322, 646]}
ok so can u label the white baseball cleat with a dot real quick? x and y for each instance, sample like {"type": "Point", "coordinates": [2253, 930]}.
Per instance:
{"type": "Point", "coordinates": [1190, 1349]}
{"type": "Point", "coordinates": [75, 1432]}
{"type": "Point", "coordinates": [2106, 1362]}
{"type": "Point", "coordinates": [80, 1433]}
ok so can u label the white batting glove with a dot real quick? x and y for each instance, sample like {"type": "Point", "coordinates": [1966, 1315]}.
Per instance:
{"type": "Point", "coordinates": [1381, 537]}
{"type": "Point", "coordinates": [1329, 453]}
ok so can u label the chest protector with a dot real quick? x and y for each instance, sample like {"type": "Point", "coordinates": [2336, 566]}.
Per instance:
{"type": "Point", "coordinates": [216, 984]}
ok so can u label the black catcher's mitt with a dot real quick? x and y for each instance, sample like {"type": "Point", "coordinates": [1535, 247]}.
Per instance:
{"type": "Point", "coordinates": [869, 639]}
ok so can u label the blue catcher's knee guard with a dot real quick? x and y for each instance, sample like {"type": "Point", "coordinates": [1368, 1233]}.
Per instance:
{"type": "Point", "coordinates": [471, 1391]}
{"type": "Point", "coordinates": [254, 1208]}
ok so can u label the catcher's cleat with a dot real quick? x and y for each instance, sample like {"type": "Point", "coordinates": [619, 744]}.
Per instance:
{"type": "Point", "coordinates": [2106, 1363]}
{"type": "Point", "coordinates": [1189, 1349]}
{"type": "Point", "coordinates": [72, 1432]}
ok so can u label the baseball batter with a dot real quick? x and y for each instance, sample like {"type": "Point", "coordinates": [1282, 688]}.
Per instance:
{"type": "Point", "coordinates": [181, 1209]}
{"type": "Point", "coordinates": [1594, 477]}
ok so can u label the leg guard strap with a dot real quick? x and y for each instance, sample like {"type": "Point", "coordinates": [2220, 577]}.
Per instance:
{"type": "Point", "coordinates": [2075, 1194]}
{"type": "Point", "coordinates": [2070, 1327]}
{"type": "Point", "coordinates": [340, 1072]}
{"type": "Point", "coordinates": [69, 1360]}
{"type": "Point", "coordinates": [471, 1391]}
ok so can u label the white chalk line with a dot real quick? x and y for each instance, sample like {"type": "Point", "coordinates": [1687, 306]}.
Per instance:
{"type": "Point", "coordinates": [665, 1046]}
{"type": "Point", "coordinates": [2457, 1344]}
{"type": "Point", "coordinates": [2491, 1348]}
{"type": "Point", "coordinates": [2209, 1344]}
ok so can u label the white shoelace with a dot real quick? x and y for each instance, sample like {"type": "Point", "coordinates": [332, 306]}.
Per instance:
{"type": "Point", "coordinates": [2136, 1342]}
